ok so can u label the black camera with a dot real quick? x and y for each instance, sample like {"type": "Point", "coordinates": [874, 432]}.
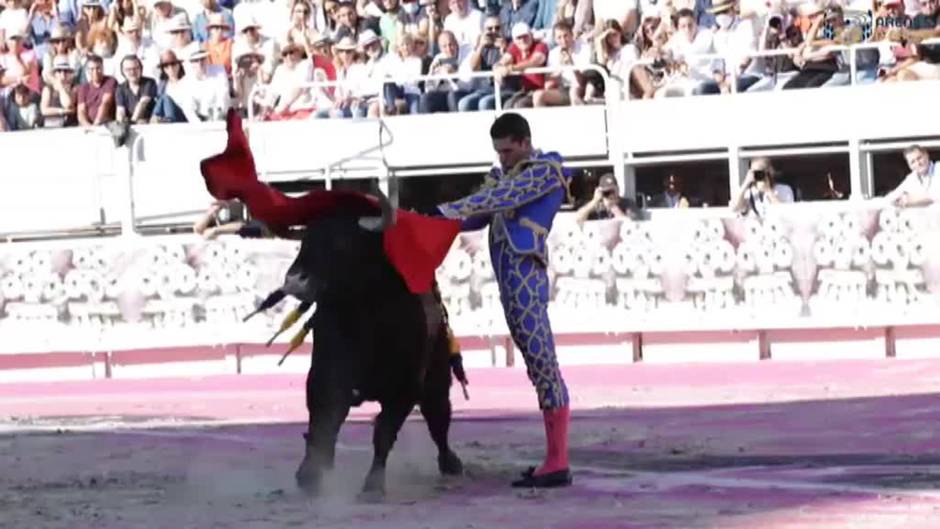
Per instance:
{"type": "Point", "coordinates": [760, 175]}
{"type": "Point", "coordinates": [607, 193]}
{"type": "Point", "coordinates": [775, 22]}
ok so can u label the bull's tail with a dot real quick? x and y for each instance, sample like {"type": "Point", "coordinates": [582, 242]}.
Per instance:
{"type": "Point", "coordinates": [456, 362]}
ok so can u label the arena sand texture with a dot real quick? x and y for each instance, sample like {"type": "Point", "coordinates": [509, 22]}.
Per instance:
{"type": "Point", "coordinates": [771, 445]}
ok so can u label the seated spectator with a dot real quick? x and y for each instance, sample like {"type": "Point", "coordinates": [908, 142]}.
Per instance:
{"type": "Point", "coordinates": [300, 31]}
{"type": "Point", "coordinates": [60, 97]}
{"type": "Point", "coordinates": [212, 13]}
{"type": "Point", "coordinates": [14, 18]}
{"type": "Point", "coordinates": [688, 41]}
{"type": "Point", "coordinates": [171, 92]}
{"type": "Point", "coordinates": [606, 203]}
{"type": "Point", "coordinates": [525, 52]}
{"type": "Point", "coordinates": [206, 94]}
{"type": "Point", "coordinates": [265, 47]}
{"type": "Point", "coordinates": [616, 56]}
{"type": "Point", "coordinates": [413, 17]}
{"type": "Point", "coordinates": [513, 12]}
{"type": "Point", "coordinates": [924, 61]}
{"type": "Point", "coordinates": [131, 42]}
{"type": "Point", "coordinates": [440, 95]}
{"type": "Point", "coordinates": [402, 65]}
{"type": "Point", "coordinates": [182, 42]}
{"type": "Point", "coordinates": [487, 52]}
{"type": "Point", "coordinates": [921, 187]}
{"type": "Point", "coordinates": [96, 95]}
{"type": "Point", "coordinates": [42, 20]}
{"type": "Point", "coordinates": [92, 34]}
{"type": "Point", "coordinates": [817, 66]}
{"type": "Point", "coordinates": [594, 13]}
{"type": "Point", "coordinates": [392, 24]}
{"type": "Point", "coordinates": [289, 96]}
{"type": "Point", "coordinates": [672, 195]}
{"type": "Point", "coordinates": [374, 65]}
{"type": "Point", "coordinates": [779, 69]}
{"type": "Point", "coordinates": [19, 63]}
{"type": "Point", "coordinates": [566, 88]}
{"type": "Point", "coordinates": [61, 43]}
{"type": "Point", "coordinates": [219, 45]}
{"type": "Point", "coordinates": [348, 98]}
{"type": "Point", "coordinates": [248, 75]}
{"type": "Point", "coordinates": [464, 21]}
{"type": "Point", "coordinates": [735, 38]}
{"type": "Point", "coordinates": [760, 190]}
{"type": "Point", "coordinates": [123, 12]}
{"type": "Point", "coordinates": [349, 23]}
{"type": "Point", "coordinates": [163, 19]}
{"type": "Point", "coordinates": [22, 111]}
{"type": "Point", "coordinates": [137, 95]}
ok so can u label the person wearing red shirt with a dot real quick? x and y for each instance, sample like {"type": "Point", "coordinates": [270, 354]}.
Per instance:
{"type": "Point", "coordinates": [524, 53]}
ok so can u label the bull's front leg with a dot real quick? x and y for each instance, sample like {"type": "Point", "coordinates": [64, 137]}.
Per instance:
{"type": "Point", "coordinates": [326, 415]}
{"type": "Point", "coordinates": [387, 425]}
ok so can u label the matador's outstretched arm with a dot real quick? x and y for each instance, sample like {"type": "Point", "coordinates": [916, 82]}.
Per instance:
{"type": "Point", "coordinates": [527, 182]}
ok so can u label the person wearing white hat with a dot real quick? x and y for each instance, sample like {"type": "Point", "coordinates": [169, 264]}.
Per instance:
{"type": "Point", "coordinates": [60, 97]}
{"type": "Point", "coordinates": [132, 42]}
{"type": "Point", "coordinates": [734, 38]}
{"type": "Point", "coordinates": [515, 11]}
{"type": "Point", "coordinates": [211, 13]}
{"type": "Point", "coordinates": [249, 35]}
{"type": "Point", "coordinates": [61, 43]}
{"type": "Point", "coordinates": [347, 98]}
{"type": "Point", "coordinates": [247, 71]}
{"type": "Point", "coordinates": [219, 45]}
{"type": "Point", "coordinates": [207, 95]}
{"type": "Point", "coordinates": [164, 16]}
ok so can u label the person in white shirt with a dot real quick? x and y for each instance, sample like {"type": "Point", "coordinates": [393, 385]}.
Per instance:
{"type": "Point", "coordinates": [465, 22]}
{"type": "Point", "coordinates": [734, 38]}
{"type": "Point", "coordinates": [132, 43]}
{"type": "Point", "coordinates": [402, 64]}
{"type": "Point", "coordinates": [206, 97]}
{"type": "Point", "coordinates": [688, 41]}
{"type": "Point", "coordinates": [288, 94]}
{"type": "Point", "coordinates": [566, 88]}
{"type": "Point", "coordinates": [760, 190]}
{"type": "Point", "coordinates": [920, 187]}
{"type": "Point", "coordinates": [249, 36]}
{"type": "Point", "coordinates": [443, 95]}
{"type": "Point", "coordinates": [353, 76]}
{"type": "Point", "coordinates": [164, 16]}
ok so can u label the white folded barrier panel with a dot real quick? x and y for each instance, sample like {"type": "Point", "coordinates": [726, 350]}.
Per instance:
{"type": "Point", "coordinates": [807, 267]}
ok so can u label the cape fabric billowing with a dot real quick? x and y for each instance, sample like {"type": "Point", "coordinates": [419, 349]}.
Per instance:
{"type": "Point", "coordinates": [415, 244]}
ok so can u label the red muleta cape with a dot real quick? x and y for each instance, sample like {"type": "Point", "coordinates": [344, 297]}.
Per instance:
{"type": "Point", "coordinates": [415, 244]}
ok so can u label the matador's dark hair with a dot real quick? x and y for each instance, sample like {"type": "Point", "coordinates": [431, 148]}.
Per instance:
{"type": "Point", "coordinates": [510, 125]}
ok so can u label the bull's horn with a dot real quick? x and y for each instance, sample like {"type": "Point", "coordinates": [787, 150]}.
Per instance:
{"type": "Point", "coordinates": [381, 223]}
{"type": "Point", "coordinates": [273, 299]}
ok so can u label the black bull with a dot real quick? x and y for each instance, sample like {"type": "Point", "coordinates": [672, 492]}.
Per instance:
{"type": "Point", "coordinates": [373, 340]}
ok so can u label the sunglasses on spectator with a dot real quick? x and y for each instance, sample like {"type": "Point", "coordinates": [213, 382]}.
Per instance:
{"type": "Point", "coordinates": [174, 63]}
{"type": "Point", "coordinates": [493, 28]}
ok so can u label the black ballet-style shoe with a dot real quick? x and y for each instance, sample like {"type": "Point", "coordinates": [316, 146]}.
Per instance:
{"type": "Point", "coordinates": [560, 478]}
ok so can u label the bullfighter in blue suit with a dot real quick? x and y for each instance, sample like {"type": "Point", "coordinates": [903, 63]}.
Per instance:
{"type": "Point", "coordinates": [519, 201]}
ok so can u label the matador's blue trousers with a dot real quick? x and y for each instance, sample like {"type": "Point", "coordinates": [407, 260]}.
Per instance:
{"type": "Point", "coordinates": [524, 290]}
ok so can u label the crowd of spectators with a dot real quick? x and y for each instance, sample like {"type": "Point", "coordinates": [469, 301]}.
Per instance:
{"type": "Point", "coordinates": [91, 62]}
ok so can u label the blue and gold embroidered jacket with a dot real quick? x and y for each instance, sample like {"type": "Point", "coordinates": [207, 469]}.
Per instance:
{"type": "Point", "coordinates": [520, 205]}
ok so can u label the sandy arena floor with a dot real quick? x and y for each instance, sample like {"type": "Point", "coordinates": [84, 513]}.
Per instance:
{"type": "Point", "coordinates": [768, 446]}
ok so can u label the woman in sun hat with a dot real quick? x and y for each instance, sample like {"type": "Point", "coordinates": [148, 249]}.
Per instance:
{"type": "Point", "coordinates": [60, 98]}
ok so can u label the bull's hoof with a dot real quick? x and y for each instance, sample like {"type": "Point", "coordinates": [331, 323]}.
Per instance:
{"type": "Point", "coordinates": [371, 496]}
{"type": "Point", "coordinates": [449, 464]}
{"type": "Point", "coordinates": [308, 478]}
{"type": "Point", "coordinates": [373, 490]}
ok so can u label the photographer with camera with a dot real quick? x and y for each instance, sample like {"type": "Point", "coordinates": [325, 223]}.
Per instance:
{"type": "Point", "coordinates": [606, 203]}
{"type": "Point", "coordinates": [760, 190]}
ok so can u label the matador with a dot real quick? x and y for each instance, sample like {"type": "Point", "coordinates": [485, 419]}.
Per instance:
{"type": "Point", "coordinates": [519, 201]}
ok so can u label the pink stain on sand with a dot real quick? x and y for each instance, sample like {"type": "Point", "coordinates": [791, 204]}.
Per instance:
{"type": "Point", "coordinates": [770, 445]}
